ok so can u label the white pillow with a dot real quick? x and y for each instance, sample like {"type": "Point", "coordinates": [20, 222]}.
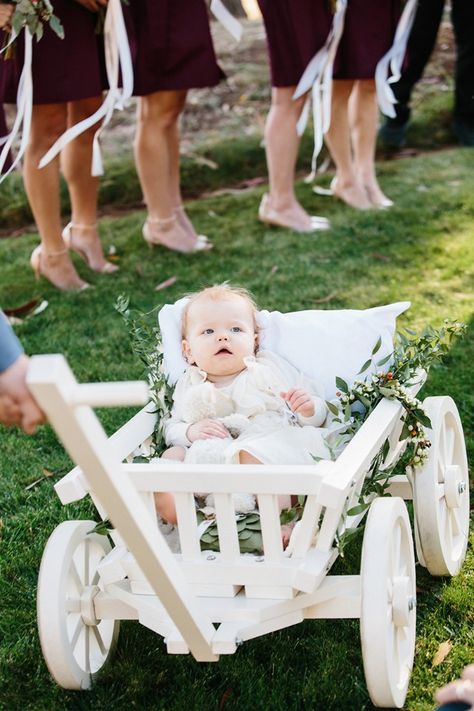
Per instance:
{"type": "Point", "coordinates": [321, 344]}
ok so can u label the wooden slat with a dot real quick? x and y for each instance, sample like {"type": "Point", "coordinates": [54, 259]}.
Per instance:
{"type": "Point", "coordinates": [271, 529]}
{"type": "Point", "coordinates": [187, 525]}
{"type": "Point", "coordinates": [228, 539]}
{"type": "Point", "coordinates": [302, 538]}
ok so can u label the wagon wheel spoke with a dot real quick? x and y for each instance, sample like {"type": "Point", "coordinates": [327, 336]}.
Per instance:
{"type": "Point", "coordinates": [99, 640]}
{"type": "Point", "coordinates": [76, 632]}
{"type": "Point", "coordinates": [87, 650]}
{"type": "Point", "coordinates": [75, 578]}
{"type": "Point", "coordinates": [450, 437]}
{"type": "Point", "coordinates": [439, 491]}
{"type": "Point", "coordinates": [95, 578]}
{"type": "Point", "coordinates": [396, 548]}
{"type": "Point", "coordinates": [455, 522]}
{"type": "Point", "coordinates": [448, 531]}
{"type": "Point", "coordinates": [86, 549]}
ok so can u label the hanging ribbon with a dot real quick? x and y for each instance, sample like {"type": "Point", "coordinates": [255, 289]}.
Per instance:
{"type": "Point", "coordinates": [393, 59]}
{"type": "Point", "coordinates": [226, 19]}
{"type": "Point", "coordinates": [117, 57]}
{"type": "Point", "coordinates": [317, 77]}
{"type": "Point", "coordinates": [24, 102]}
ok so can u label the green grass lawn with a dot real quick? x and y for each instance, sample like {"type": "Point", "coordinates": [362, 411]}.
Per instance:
{"type": "Point", "coordinates": [422, 250]}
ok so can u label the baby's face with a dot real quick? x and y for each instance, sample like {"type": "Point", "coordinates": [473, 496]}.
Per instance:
{"type": "Point", "coordinates": [219, 335]}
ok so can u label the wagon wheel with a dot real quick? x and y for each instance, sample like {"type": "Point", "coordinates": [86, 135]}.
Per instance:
{"type": "Point", "coordinates": [388, 601]}
{"type": "Point", "coordinates": [75, 644]}
{"type": "Point", "coordinates": [441, 491]}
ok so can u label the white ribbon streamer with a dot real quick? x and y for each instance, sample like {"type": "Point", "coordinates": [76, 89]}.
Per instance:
{"type": "Point", "coordinates": [317, 77]}
{"type": "Point", "coordinates": [117, 57]}
{"type": "Point", "coordinates": [226, 19]}
{"type": "Point", "coordinates": [24, 101]}
{"type": "Point", "coordinates": [393, 59]}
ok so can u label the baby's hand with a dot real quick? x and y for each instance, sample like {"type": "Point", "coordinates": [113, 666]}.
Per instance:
{"type": "Point", "coordinates": [206, 429]}
{"type": "Point", "coordinates": [299, 401]}
{"type": "Point", "coordinates": [6, 12]}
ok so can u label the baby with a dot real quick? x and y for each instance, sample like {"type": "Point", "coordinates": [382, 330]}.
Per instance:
{"type": "Point", "coordinates": [235, 403]}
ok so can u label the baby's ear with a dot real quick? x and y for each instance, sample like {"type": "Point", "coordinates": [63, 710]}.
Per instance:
{"type": "Point", "coordinates": [186, 352]}
{"type": "Point", "coordinates": [257, 344]}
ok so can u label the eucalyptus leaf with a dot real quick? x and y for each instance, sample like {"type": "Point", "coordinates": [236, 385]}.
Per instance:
{"type": "Point", "coordinates": [365, 366]}
{"type": "Point", "coordinates": [342, 385]}
{"type": "Point", "coordinates": [376, 348]}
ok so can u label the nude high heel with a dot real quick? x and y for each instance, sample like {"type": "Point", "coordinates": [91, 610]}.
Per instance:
{"type": "Point", "coordinates": [97, 261]}
{"type": "Point", "coordinates": [268, 215]}
{"type": "Point", "coordinates": [184, 220]}
{"type": "Point", "coordinates": [159, 231]}
{"type": "Point", "coordinates": [38, 261]}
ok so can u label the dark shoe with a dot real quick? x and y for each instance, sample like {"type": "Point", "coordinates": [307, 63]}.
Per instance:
{"type": "Point", "coordinates": [393, 135]}
{"type": "Point", "coordinates": [464, 132]}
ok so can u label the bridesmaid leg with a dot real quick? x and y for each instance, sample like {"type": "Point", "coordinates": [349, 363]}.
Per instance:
{"type": "Point", "coordinates": [346, 185]}
{"type": "Point", "coordinates": [157, 161]}
{"type": "Point", "coordinates": [364, 116]}
{"type": "Point", "coordinates": [175, 182]}
{"type": "Point", "coordinates": [81, 233]}
{"type": "Point", "coordinates": [42, 188]}
{"type": "Point", "coordinates": [281, 144]}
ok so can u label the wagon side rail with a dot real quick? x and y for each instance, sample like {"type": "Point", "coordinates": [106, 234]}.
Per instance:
{"type": "Point", "coordinates": [341, 487]}
{"type": "Point", "coordinates": [67, 405]}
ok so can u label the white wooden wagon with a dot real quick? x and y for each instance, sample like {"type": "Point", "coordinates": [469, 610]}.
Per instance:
{"type": "Point", "coordinates": [209, 603]}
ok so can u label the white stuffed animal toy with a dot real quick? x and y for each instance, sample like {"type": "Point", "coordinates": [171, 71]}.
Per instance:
{"type": "Point", "coordinates": [205, 401]}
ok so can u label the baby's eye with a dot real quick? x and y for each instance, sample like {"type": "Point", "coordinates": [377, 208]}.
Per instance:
{"type": "Point", "coordinates": [235, 329]}
{"type": "Point", "coordinates": [208, 331]}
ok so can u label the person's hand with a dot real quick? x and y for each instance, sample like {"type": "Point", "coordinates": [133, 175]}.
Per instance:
{"type": "Point", "coordinates": [299, 401]}
{"type": "Point", "coordinates": [13, 386]}
{"type": "Point", "coordinates": [93, 5]}
{"type": "Point", "coordinates": [6, 12]}
{"type": "Point", "coordinates": [206, 429]}
{"type": "Point", "coordinates": [10, 413]}
{"type": "Point", "coordinates": [460, 690]}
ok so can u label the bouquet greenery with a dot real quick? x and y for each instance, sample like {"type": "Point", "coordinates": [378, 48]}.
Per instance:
{"type": "Point", "coordinates": [32, 14]}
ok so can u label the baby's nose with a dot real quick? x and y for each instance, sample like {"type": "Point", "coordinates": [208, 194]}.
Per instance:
{"type": "Point", "coordinates": [223, 337]}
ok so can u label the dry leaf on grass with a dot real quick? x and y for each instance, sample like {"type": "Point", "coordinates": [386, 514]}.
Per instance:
{"type": "Point", "coordinates": [442, 652]}
{"type": "Point", "coordinates": [166, 283]}
{"type": "Point", "coordinates": [325, 299]}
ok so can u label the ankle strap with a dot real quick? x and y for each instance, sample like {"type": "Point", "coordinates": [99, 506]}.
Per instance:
{"type": "Point", "coordinates": [74, 225]}
{"type": "Point", "coordinates": [53, 254]}
{"type": "Point", "coordinates": [161, 221]}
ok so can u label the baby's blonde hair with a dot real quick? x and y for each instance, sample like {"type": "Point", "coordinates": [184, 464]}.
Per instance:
{"type": "Point", "coordinates": [215, 293]}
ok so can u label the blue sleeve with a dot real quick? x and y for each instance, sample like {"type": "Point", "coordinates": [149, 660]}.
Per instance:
{"type": "Point", "coordinates": [10, 347]}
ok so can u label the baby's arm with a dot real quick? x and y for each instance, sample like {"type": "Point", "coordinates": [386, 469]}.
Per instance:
{"type": "Point", "coordinates": [302, 395]}
{"type": "Point", "coordinates": [182, 433]}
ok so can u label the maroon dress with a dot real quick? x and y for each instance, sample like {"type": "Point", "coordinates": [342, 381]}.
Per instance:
{"type": "Point", "coordinates": [63, 70]}
{"type": "Point", "coordinates": [296, 30]}
{"type": "Point", "coordinates": [171, 45]}
{"type": "Point", "coordinates": [4, 132]}
{"type": "Point", "coordinates": [369, 29]}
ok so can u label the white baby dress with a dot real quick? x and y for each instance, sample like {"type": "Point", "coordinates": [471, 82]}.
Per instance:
{"type": "Point", "coordinates": [258, 418]}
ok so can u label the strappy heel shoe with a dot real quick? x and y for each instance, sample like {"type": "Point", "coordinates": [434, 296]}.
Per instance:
{"type": "Point", "coordinates": [185, 222]}
{"type": "Point", "coordinates": [353, 196]}
{"type": "Point", "coordinates": [268, 215]}
{"type": "Point", "coordinates": [90, 250]}
{"type": "Point", "coordinates": [61, 275]}
{"type": "Point", "coordinates": [167, 232]}
{"type": "Point", "coordinates": [377, 198]}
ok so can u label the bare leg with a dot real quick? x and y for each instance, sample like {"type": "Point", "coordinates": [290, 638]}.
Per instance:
{"type": "Point", "coordinates": [281, 145]}
{"type": "Point", "coordinates": [42, 187]}
{"type": "Point", "coordinates": [364, 116]}
{"type": "Point", "coordinates": [347, 185]}
{"type": "Point", "coordinates": [164, 500]}
{"type": "Point", "coordinates": [284, 502]}
{"type": "Point", "coordinates": [76, 157]}
{"type": "Point", "coordinates": [157, 160]}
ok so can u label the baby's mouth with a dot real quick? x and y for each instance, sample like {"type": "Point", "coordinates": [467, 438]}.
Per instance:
{"type": "Point", "coordinates": [223, 351]}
